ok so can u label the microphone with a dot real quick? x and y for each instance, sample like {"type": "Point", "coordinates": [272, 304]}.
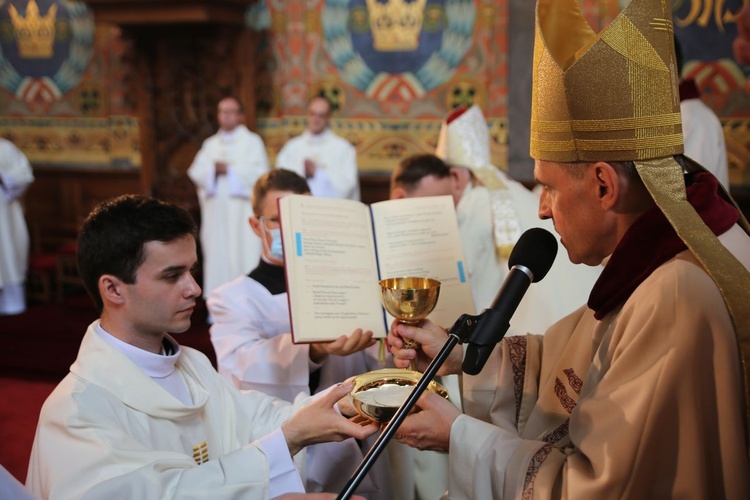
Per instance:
{"type": "Point", "coordinates": [529, 262]}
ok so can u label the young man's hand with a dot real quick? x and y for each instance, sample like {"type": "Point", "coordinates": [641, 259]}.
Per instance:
{"type": "Point", "coordinates": [319, 422]}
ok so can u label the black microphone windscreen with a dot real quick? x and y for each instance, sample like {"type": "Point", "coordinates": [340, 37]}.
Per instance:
{"type": "Point", "coordinates": [536, 250]}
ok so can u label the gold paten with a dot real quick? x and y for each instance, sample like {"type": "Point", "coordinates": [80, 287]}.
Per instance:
{"type": "Point", "coordinates": [369, 386]}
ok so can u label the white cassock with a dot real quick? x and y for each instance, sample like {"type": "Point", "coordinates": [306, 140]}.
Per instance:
{"type": "Point", "coordinates": [334, 157]}
{"type": "Point", "coordinates": [16, 175]}
{"type": "Point", "coordinates": [545, 302]}
{"type": "Point", "coordinates": [230, 248]}
{"type": "Point", "coordinates": [704, 138]}
{"type": "Point", "coordinates": [254, 350]}
{"type": "Point", "coordinates": [110, 430]}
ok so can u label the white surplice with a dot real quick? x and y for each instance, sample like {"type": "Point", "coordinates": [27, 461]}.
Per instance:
{"type": "Point", "coordinates": [230, 247]}
{"type": "Point", "coordinates": [333, 155]}
{"type": "Point", "coordinates": [704, 138]}
{"type": "Point", "coordinates": [109, 430]}
{"type": "Point", "coordinates": [254, 350]}
{"type": "Point", "coordinates": [16, 175]}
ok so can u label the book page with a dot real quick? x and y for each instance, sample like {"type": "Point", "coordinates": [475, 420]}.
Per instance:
{"type": "Point", "coordinates": [331, 273]}
{"type": "Point", "coordinates": [419, 237]}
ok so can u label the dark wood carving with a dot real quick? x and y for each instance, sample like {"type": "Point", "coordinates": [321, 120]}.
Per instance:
{"type": "Point", "coordinates": [184, 56]}
{"type": "Point", "coordinates": [60, 198]}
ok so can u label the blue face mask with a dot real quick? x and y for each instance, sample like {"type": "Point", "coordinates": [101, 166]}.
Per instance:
{"type": "Point", "coordinates": [277, 250]}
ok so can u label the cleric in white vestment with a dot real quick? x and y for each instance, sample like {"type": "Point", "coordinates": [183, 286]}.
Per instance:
{"type": "Point", "coordinates": [15, 176]}
{"type": "Point", "coordinates": [224, 172]}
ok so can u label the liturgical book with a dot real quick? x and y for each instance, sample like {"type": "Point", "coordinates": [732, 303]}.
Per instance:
{"type": "Point", "coordinates": [337, 250]}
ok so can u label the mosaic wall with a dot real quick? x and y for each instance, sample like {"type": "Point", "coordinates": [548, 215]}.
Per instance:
{"type": "Point", "coordinates": [391, 87]}
{"type": "Point", "coordinates": [63, 77]}
{"type": "Point", "coordinates": [391, 97]}
{"type": "Point", "coordinates": [708, 33]}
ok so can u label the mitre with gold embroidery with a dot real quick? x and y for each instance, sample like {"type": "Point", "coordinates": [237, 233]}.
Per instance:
{"type": "Point", "coordinates": [613, 96]}
{"type": "Point", "coordinates": [464, 141]}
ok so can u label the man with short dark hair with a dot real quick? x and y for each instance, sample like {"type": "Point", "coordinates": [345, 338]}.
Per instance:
{"type": "Point", "coordinates": [327, 161]}
{"type": "Point", "coordinates": [140, 416]}
{"type": "Point", "coordinates": [424, 175]}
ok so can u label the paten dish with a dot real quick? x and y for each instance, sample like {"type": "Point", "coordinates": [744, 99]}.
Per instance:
{"type": "Point", "coordinates": [377, 395]}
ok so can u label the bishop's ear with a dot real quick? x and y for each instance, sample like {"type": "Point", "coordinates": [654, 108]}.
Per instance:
{"type": "Point", "coordinates": [608, 184]}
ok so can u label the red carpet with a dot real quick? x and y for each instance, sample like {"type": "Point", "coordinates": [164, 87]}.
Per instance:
{"type": "Point", "coordinates": [38, 347]}
{"type": "Point", "coordinates": [22, 400]}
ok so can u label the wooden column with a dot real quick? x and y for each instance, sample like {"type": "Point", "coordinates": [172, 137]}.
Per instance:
{"type": "Point", "coordinates": [185, 55]}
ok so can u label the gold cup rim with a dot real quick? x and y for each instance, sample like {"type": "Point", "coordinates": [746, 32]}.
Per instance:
{"type": "Point", "coordinates": [393, 290]}
{"type": "Point", "coordinates": [395, 283]}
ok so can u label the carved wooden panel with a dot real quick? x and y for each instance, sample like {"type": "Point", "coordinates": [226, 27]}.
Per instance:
{"type": "Point", "coordinates": [183, 57]}
{"type": "Point", "coordinates": [179, 77]}
{"type": "Point", "coordinates": [59, 199]}
{"type": "Point", "coordinates": [374, 187]}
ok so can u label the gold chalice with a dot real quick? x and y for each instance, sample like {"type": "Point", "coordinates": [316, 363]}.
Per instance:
{"type": "Point", "coordinates": [409, 300]}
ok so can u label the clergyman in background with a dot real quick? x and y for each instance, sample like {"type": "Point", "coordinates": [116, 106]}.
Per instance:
{"type": "Point", "coordinates": [224, 172]}
{"type": "Point", "coordinates": [15, 177]}
{"type": "Point", "coordinates": [701, 128]}
{"type": "Point", "coordinates": [327, 161]}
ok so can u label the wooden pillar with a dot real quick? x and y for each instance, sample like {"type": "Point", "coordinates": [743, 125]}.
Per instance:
{"type": "Point", "coordinates": [185, 56]}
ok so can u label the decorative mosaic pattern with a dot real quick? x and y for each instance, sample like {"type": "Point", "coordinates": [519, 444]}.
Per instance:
{"type": "Point", "coordinates": [63, 99]}
{"type": "Point", "coordinates": [381, 144]}
{"type": "Point", "coordinates": [319, 46]}
{"type": "Point", "coordinates": [70, 107]}
{"type": "Point", "coordinates": [707, 30]}
{"type": "Point", "coordinates": [391, 93]}
{"type": "Point", "coordinates": [45, 46]}
{"type": "Point", "coordinates": [79, 142]}
{"type": "Point", "coordinates": [397, 49]}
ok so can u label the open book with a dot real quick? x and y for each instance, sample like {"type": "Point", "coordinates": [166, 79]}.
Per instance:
{"type": "Point", "coordinates": [336, 251]}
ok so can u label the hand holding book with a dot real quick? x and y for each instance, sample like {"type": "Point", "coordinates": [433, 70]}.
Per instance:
{"type": "Point", "coordinates": [336, 251]}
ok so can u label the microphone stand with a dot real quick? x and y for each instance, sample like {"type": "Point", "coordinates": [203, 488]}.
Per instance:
{"type": "Point", "coordinates": [458, 333]}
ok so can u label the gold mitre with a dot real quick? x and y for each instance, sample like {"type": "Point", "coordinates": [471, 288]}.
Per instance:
{"type": "Point", "coordinates": [613, 97]}
{"type": "Point", "coordinates": [464, 141]}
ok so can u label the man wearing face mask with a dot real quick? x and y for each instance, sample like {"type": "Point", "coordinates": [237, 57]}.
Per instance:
{"type": "Point", "coordinates": [252, 339]}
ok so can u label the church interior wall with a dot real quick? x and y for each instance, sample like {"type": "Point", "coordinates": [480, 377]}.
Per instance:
{"type": "Point", "coordinates": [107, 107]}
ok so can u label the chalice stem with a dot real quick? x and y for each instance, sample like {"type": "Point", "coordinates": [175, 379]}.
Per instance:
{"type": "Point", "coordinates": [410, 344]}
